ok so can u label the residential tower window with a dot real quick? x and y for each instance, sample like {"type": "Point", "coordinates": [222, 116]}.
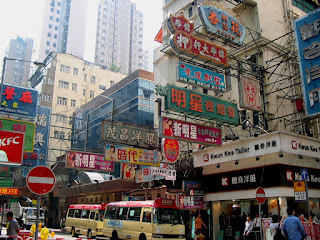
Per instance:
{"type": "Point", "coordinates": [74, 86]}
{"type": "Point", "coordinates": [93, 79]}
{"type": "Point", "coordinates": [63, 84]}
{"type": "Point", "coordinates": [73, 103]}
{"type": "Point", "coordinates": [75, 71]}
{"type": "Point", "coordinates": [62, 101]}
{"type": "Point", "coordinates": [91, 94]}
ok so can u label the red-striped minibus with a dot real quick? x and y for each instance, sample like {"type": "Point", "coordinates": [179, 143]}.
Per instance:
{"type": "Point", "coordinates": [85, 219]}
{"type": "Point", "coordinates": [143, 220]}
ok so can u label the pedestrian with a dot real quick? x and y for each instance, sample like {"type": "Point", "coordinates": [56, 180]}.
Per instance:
{"type": "Point", "coordinates": [256, 226]}
{"type": "Point", "coordinates": [248, 228]}
{"type": "Point", "coordinates": [13, 228]}
{"type": "Point", "coordinates": [292, 226]}
{"type": "Point", "coordinates": [276, 229]}
{"type": "Point", "coordinates": [198, 225]}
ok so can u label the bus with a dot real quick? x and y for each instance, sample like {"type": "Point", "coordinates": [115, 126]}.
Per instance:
{"type": "Point", "coordinates": [143, 220]}
{"type": "Point", "coordinates": [85, 219]}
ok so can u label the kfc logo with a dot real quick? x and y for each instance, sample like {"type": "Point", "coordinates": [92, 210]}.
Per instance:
{"type": "Point", "coordinates": [225, 182]}
{"type": "Point", "coordinates": [294, 144]}
{"type": "Point", "coordinates": [206, 157]}
{"type": "Point", "coordinates": [289, 175]}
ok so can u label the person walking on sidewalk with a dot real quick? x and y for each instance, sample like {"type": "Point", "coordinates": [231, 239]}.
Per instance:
{"type": "Point", "coordinates": [13, 228]}
{"type": "Point", "coordinates": [292, 226]}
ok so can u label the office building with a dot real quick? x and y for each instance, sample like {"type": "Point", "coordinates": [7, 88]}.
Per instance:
{"type": "Point", "coordinates": [119, 38]}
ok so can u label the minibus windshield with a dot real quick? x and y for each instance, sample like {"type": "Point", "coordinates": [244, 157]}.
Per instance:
{"type": "Point", "coordinates": [167, 216]}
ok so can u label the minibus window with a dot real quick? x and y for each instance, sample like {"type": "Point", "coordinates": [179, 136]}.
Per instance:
{"type": "Point", "coordinates": [111, 212]}
{"type": "Point", "coordinates": [71, 213]}
{"type": "Point", "coordinates": [134, 214]}
{"type": "Point", "coordinates": [77, 213]}
{"type": "Point", "coordinates": [122, 213]}
{"type": "Point", "coordinates": [146, 216]}
{"type": "Point", "coordinates": [100, 215]}
{"type": "Point", "coordinates": [92, 214]}
{"type": "Point", "coordinates": [85, 214]}
{"type": "Point", "coordinates": [167, 216]}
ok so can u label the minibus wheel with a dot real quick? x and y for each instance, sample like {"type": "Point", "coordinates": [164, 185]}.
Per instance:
{"type": "Point", "coordinates": [73, 233]}
{"type": "Point", "coordinates": [89, 234]}
{"type": "Point", "coordinates": [142, 237]}
{"type": "Point", "coordinates": [114, 236]}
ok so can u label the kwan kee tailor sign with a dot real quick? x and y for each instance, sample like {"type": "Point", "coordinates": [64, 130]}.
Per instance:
{"type": "Point", "coordinates": [271, 143]}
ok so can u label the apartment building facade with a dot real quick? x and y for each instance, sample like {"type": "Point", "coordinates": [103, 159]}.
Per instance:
{"type": "Point", "coordinates": [61, 31]}
{"type": "Point", "coordinates": [119, 37]}
{"type": "Point", "coordinates": [67, 83]}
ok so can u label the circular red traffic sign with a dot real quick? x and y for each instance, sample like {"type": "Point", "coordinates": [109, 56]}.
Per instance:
{"type": "Point", "coordinates": [41, 180]}
{"type": "Point", "coordinates": [260, 195]}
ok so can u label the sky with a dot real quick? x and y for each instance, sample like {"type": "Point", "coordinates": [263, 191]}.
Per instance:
{"type": "Point", "coordinates": [24, 18]}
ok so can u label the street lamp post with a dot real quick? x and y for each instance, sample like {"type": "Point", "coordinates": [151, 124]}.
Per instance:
{"type": "Point", "coordinates": [5, 59]}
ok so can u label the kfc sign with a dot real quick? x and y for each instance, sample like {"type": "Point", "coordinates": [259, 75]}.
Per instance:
{"type": "Point", "coordinates": [11, 147]}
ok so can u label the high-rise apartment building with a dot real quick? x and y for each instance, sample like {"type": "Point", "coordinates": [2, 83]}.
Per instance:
{"type": "Point", "coordinates": [64, 27]}
{"type": "Point", "coordinates": [17, 72]}
{"type": "Point", "coordinates": [119, 39]}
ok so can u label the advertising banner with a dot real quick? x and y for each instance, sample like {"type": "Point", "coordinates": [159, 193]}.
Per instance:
{"type": "Point", "coordinates": [307, 37]}
{"type": "Point", "coordinates": [132, 155]}
{"type": "Point", "coordinates": [128, 171]}
{"type": "Point", "coordinates": [200, 105]}
{"type": "Point", "coordinates": [129, 135]}
{"type": "Point", "coordinates": [88, 161]}
{"type": "Point", "coordinates": [249, 93]}
{"type": "Point", "coordinates": [219, 20]}
{"type": "Point", "coordinates": [11, 147]}
{"type": "Point", "coordinates": [28, 128]}
{"type": "Point", "coordinates": [202, 77]}
{"type": "Point", "coordinates": [19, 101]}
{"type": "Point", "coordinates": [190, 132]}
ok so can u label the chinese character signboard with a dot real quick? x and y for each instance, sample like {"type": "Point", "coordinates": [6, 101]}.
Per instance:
{"type": "Point", "coordinates": [9, 191]}
{"type": "Point", "coordinates": [201, 77]}
{"type": "Point", "coordinates": [19, 101]}
{"type": "Point", "coordinates": [171, 149]}
{"type": "Point", "coordinates": [201, 105]}
{"type": "Point", "coordinates": [249, 94]}
{"type": "Point", "coordinates": [27, 128]}
{"type": "Point", "coordinates": [185, 43]}
{"type": "Point", "coordinates": [190, 132]}
{"type": "Point", "coordinates": [6, 182]}
{"type": "Point", "coordinates": [166, 172]}
{"type": "Point", "coordinates": [88, 161]}
{"type": "Point", "coordinates": [132, 155]}
{"type": "Point", "coordinates": [190, 202]}
{"type": "Point", "coordinates": [11, 147]}
{"type": "Point", "coordinates": [129, 135]}
{"type": "Point", "coordinates": [41, 137]}
{"type": "Point", "coordinates": [300, 191]}
{"type": "Point", "coordinates": [219, 20]}
{"type": "Point", "coordinates": [30, 159]}
{"type": "Point", "coordinates": [307, 35]}
{"type": "Point", "coordinates": [144, 174]}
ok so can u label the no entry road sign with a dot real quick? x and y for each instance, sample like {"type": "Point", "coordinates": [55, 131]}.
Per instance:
{"type": "Point", "coordinates": [260, 195]}
{"type": "Point", "coordinates": [41, 180]}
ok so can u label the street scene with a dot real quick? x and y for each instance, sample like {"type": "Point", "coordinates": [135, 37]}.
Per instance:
{"type": "Point", "coordinates": [160, 119]}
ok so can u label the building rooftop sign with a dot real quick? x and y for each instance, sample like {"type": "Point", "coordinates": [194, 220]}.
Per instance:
{"type": "Point", "coordinates": [219, 20]}
{"type": "Point", "coordinates": [185, 43]}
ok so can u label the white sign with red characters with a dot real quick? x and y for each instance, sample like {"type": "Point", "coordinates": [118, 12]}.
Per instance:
{"type": "Point", "coordinates": [11, 147]}
{"type": "Point", "coordinates": [250, 93]}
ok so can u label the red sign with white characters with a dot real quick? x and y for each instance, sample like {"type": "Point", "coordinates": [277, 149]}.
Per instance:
{"type": "Point", "coordinates": [183, 42]}
{"type": "Point", "coordinates": [171, 149]}
{"type": "Point", "coordinates": [11, 147]}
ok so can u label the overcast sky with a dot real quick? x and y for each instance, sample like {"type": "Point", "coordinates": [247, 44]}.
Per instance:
{"type": "Point", "coordinates": [24, 18]}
